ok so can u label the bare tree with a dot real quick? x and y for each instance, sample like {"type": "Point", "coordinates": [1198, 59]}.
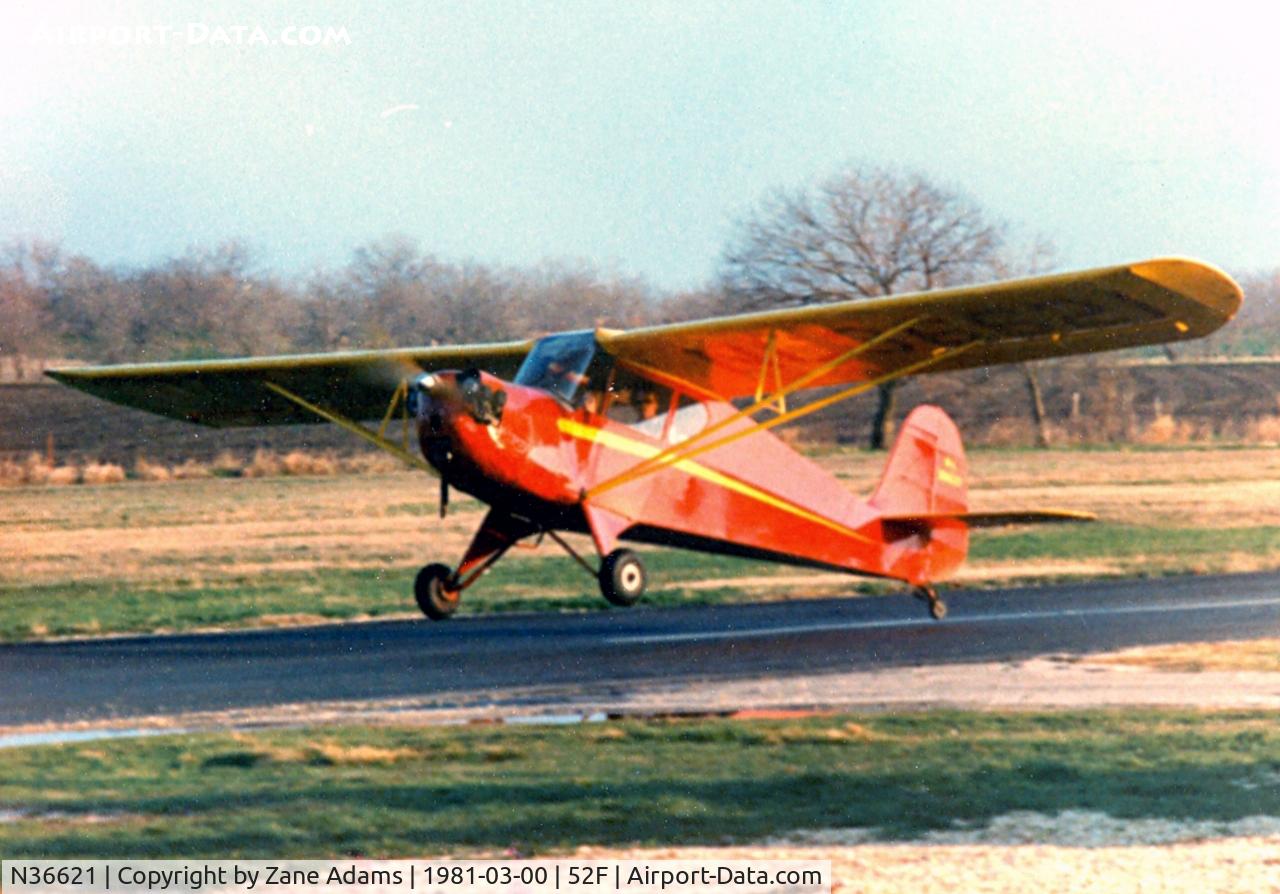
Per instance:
{"type": "Point", "coordinates": [210, 303]}
{"type": "Point", "coordinates": [865, 233]}
{"type": "Point", "coordinates": [23, 322]}
{"type": "Point", "coordinates": [1039, 257]}
{"type": "Point", "coordinates": [559, 295]}
{"type": "Point", "coordinates": [1256, 330]}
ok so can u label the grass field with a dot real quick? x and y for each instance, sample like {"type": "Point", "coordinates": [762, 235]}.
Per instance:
{"type": "Point", "coordinates": [145, 556]}
{"type": "Point", "coordinates": [391, 791]}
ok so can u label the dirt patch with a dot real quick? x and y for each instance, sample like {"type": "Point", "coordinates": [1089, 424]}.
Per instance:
{"type": "Point", "coordinates": [1192, 867]}
{"type": "Point", "coordinates": [982, 572]}
{"type": "Point", "coordinates": [1233, 655]}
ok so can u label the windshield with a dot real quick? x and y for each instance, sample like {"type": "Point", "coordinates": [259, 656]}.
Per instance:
{"type": "Point", "coordinates": [558, 363]}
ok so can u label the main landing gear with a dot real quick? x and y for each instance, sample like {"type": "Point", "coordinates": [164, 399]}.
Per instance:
{"type": "Point", "coordinates": [438, 588]}
{"type": "Point", "coordinates": [937, 608]}
{"type": "Point", "coordinates": [622, 577]}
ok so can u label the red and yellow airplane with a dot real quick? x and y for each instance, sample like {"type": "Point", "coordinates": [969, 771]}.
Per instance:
{"type": "Point", "coordinates": [662, 435]}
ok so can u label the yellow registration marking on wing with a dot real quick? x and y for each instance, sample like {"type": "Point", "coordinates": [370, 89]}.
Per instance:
{"type": "Point", "coordinates": [625, 445]}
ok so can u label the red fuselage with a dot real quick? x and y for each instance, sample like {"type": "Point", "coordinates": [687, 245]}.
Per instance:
{"type": "Point", "coordinates": [542, 460]}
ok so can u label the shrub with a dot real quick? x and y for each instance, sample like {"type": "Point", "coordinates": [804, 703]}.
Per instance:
{"type": "Point", "coordinates": [264, 464]}
{"type": "Point", "coordinates": [62, 476]}
{"type": "Point", "coordinates": [227, 465]}
{"type": "Point", "coordinates": [371, 463]}
{"type": "Point", "coordinates": [299, 462]}
{"type": "Point", "coordinates": [149, 471]}
{"type": "Point", "coordinates": [102, 473]}
{"type": "Point", "coordinates": [35, 470]}
{"type": "Point", "coordinates": [189, 469]}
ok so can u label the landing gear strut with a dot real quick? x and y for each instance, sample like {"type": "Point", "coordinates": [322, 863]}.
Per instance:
{"type": "Point", "coordinates": [937, 608]}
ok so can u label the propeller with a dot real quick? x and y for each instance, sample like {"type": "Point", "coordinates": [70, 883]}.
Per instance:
{"type": "Point", "coordinates": [444, 496]}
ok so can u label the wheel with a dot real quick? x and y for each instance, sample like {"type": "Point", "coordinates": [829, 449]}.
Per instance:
{"type": "Point", "coordinates": [431, 590]}
{"type": "Point", "coordinates": [622, 577]}
{"type": "Point", "coordinates": [937, 608]}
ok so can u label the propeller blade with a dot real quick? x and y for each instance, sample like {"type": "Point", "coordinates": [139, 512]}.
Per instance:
{"type": "Point", "coordinates": [444, 496]}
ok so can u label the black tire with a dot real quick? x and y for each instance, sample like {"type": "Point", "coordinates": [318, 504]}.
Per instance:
{"type": "Point", "coordinates": [622, 577]}
{"type": "Point", "coordinates": [431, 590]}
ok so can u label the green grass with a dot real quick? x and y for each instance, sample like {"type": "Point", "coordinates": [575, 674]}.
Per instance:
{"type": "Point", "coordinates": [1102, 540]}
{"type": "Point", "coordinates": [523, 583]}
{"type": "Point", "coordinates": [398, 791]}
{"type": "Point", "coordinates": [552, 582]}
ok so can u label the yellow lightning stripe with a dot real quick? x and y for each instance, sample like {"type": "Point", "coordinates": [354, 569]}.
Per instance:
{"type": "Point", "coordinates": [698, 470]}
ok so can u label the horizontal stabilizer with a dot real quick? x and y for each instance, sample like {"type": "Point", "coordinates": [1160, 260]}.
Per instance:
{"type": "Point", "coordinates": [994, 519]}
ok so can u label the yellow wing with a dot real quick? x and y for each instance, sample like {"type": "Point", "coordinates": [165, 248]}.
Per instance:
{"type": "Point", "coordinates": [1115, 307]}
{"type": "Point", "coordinates": [1150, 302]}
{"type": "Point", "coordinates": [219, 393]}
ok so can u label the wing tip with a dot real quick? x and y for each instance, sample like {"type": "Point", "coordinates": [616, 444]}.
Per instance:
{"type": "Point", "coordinates": [1207, 284]}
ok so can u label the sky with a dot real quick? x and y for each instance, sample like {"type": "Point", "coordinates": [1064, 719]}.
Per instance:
{"type": "Point", "coordinates": [630, 136]}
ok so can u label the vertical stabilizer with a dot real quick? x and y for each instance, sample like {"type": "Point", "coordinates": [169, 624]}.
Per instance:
{"type": "Point", "coordinates": [927, 473]}
{"type": "Point", "coordinates": [923, 488]}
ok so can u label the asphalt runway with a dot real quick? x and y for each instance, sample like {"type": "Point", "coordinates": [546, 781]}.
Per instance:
{"type": "Point", "coordinates": [138, 676]}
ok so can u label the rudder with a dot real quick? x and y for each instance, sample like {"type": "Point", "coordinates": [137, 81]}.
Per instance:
{"type": "Point", "coordinates": [927, 473]}
{"type": "Point", "coordinates": [923, 488]}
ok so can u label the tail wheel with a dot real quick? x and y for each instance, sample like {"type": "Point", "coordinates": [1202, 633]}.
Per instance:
{"type": "Point", "coordinates": [431, 590]}
{"type": "Point", "coordinates": [937, 608]}
{"type": "Point", "coordinates": [622, 577]}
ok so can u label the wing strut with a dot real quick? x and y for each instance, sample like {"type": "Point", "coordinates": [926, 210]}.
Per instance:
{"type": "Point", "coordinates": [675, 452]}
{"type": "Point", "coordinates": [356, 428]}
{"type": "Point", "coordinates": [692, 447]}
{"type": "Point", "coordinates": [771, 359]}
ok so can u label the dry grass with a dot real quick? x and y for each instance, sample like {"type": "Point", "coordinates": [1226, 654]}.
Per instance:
{"type": "Point", "coordinates": [146, 470]}
{"type": "Point", "coordinates": [210, 530]}
{"type": "Point", "coordinates": [34, 470]}
{"type": "Point", "coordinates": [264, 464]}
{"type": "Point", "coordinates": [269, 464]}
{"type": "Point", "coordinates": [324, 752]}
{"type": "Point", "coordinates": [102, 473]}
{"type": "Point", "coordinates": [1234, 655]}
{"type": "Point", "coordinates": [1219, 487]}
{"type": "Point", "coordinates": [362, 755]}
{"type": "Point", "coordinates": [226, 464]}
{"type": "Point", "coordinates": [189, 470]}
{"type": "Point", "coordinates": [371, 464]}
{"type": "Point", "coordinates": [299, 462]}
{"type": "Point", "coordinates": [833, 735]}
{"type": "Point", "coordinates": [62, 476]}
{"type": "Point", "coordinates": [1265, 430]}
{"type": "Point", "coordinates": [182, 554]}
{"type": "Point", "coordinates": [1165, 429]}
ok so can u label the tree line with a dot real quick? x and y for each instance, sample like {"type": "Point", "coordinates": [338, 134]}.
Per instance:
{"type": "Point", "coordinates": [221, 303]}
{"type": "Point", "coordinates": [864, 232]}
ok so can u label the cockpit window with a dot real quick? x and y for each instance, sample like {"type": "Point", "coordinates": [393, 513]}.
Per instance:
{"type": "Point", "coordinates": [652, 408]}
{"type": "Point", "coordinates": [558, 363]}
